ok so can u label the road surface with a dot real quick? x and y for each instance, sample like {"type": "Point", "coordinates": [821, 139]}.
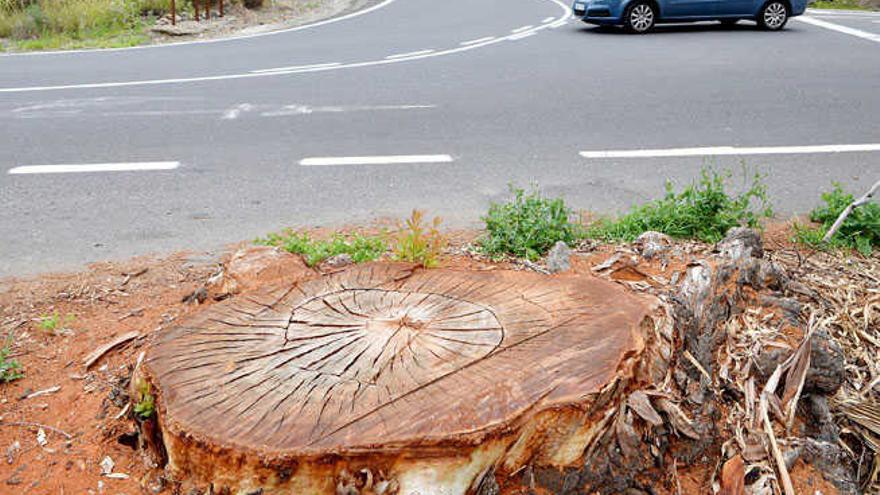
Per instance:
{"type": "Point", "coordinates": [441, 104]}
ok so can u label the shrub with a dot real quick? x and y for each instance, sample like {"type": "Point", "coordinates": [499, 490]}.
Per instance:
{"type": "Point", "coordinates": [10, 370]}
{"type": "Point", "coordinates": [419, 243]}
{"type": "Point", "coordinates": [528, 225]}
{"type": "Point", "coordinates": [703, 210]}
{"type": "Point", "coordinates": [360, 248]}
{"type": "Point", "coordinates": [860, 230]}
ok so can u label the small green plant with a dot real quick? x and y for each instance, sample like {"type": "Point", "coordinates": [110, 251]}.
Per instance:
{"type": "Point", "coordinates": [10, 369]}
{"type": "Point", "coordinates": [860, 230]}
{"type": "Point", "coordinates": [528, 225]}
{"type": "Point", "coordinates": [146, 404]}
{"type": "Point", "coordinates": [703, 210]}
{"type": "Point", "coordinates": [420, 243]}
{"type": "Point", "coordinates": [55, 323]}
{"type": "Point", "coordinates": [361, 248]}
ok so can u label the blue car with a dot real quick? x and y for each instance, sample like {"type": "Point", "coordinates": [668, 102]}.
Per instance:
{"type": "Point", "coordinates": [640, 16]}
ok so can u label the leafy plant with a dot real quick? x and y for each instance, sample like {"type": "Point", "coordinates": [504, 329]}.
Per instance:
{"type": "Point", "coordinates": [54, 323]}
{"type": "Point", "coordinates": [860, 230]}
{"type": "Point", "coordinates": [528, 225]}
{"type": "Point", "coordinates": [146, 404]}
{"type": "Point", "coordinates": [703, 210]}
{"type": "Point", "coordinates": [361, 248]}
{"type": "Point", "coordinates": [420, 243]}
{"type": "Point", "coordinates": [10, 369]}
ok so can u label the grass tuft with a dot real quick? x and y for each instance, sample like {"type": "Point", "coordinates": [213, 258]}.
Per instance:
{"type": "Point", "coordinates": [860, 231]}
{"type": "Point", "coordinates": [420, 243]}
{"type": "Point", "coordinates": [703, 210]}
{"type": "Point", "coordinates": [361, 248]}
{"type": "Point", "coordinates": [839, 5]}
{"type": "Point", "coordinates": [528, 225]}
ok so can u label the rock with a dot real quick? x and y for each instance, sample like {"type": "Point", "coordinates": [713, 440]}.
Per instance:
{"type": "Point", "coordinates": [821, 425]}
{"type": "Point", "coordinates": [652, 243]}
{"type": "Point", "coordinates": [834, 464]}
{"type": "Point", "coordinates": [336, 262]}
{"type": "Point", "coordinates": [184, 28]}
{"type": "Point", "coordinates": [253, 266]}
{"type": "Point", "coordinates": [741, 242]}
{"type": "Point", "coordinates": [826, 373]}
{"type": "Point", "coordinates": [559, 258]}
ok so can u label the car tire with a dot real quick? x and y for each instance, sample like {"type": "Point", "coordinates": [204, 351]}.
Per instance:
{"type": "Point", "coordinates": [773, 16]}
{"type": "Point", "coordinates": [640, 17]}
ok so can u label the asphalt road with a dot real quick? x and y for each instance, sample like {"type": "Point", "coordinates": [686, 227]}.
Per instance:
{"type": "Point", "coordinates": [510, 92]}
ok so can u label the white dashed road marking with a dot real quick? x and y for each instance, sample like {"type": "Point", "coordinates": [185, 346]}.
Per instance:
{"type": "Point", "coordinates": [521, 29]}
{"type": "Point", "coordinates": [94, 167]}
{"type": "Point", "coordinates": [730, 150]}
{"type": "Point", "coordinates": [374, 160]}
{"type": "Point", "coordinates": [549, 19]}
{"type": "Point", "coordinates": [840, 29]}
{"type": "Point", "coordinates": [477, 41]}
{"type": "Point", "coordinates": [521, 35]}
{"type": "Point", "coordinates": [297, 67]}
{"type": "Point", "coordinates": [409, 54]}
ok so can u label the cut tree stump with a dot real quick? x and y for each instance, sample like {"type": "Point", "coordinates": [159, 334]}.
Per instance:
{"type": "Point", "coordinates": [385, 378]}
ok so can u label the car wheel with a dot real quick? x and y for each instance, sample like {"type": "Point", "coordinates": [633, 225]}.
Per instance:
{"type": "Point", "coordinates": [640, 17]}
{"type": "Point", "coordinates": [773, 16]}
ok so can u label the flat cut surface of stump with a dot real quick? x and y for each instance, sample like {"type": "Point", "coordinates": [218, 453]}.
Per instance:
{"type": "Point", "coordinates": [385, 357]}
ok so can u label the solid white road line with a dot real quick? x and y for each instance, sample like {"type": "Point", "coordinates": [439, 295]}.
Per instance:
{"type": "Point", "coordinates": [521, 29]}
{"type": "Point", "coordinates": [409, 54]}
{"type": "Point", "coordinates": [840, 29]}
{"type": "Point", "coordinates": [94, 167]}
{"type": "Point", "coordinates": [521, 35]}
{"type": "Point", "coordinates": [730, 150]}
{"type": "Point", "coordinates": [549, 19]}
{"type": "Point", "coordinates": [477, 41]}
{"type": "Point", "coordinates": [374, 160]}
{"type": "Point", "coordinates": [297, 67]}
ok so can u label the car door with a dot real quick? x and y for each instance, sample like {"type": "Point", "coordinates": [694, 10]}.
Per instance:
{"type": "Point", "coordinates": [689, 8]}
{"type": "Point", "coordinates": [735, 7]}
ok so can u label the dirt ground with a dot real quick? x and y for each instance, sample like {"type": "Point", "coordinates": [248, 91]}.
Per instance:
{"type": "Point", "coordinates": [67, 429]}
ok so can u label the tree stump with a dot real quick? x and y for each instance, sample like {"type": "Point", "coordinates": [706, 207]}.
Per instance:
{"type": "Point", "coordinates": [385, 378]}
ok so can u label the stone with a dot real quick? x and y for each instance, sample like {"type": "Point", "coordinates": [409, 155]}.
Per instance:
{"type": "Point", "coordinates": [253, 266]}
{"type": "Point", "coordinates": [652, 243]}
{"type": "Point", "coordinates": [336, 262]}
{"type": "Point", "coordinates": [559, 258]}
{"type": "Point", "coordinates": [185, 28]}
{"type": "Point", "coordinates": [826, 373]}
{"type": "Point", "coordinates": [741, 242]}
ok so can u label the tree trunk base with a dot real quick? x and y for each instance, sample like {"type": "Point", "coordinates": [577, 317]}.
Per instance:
{"type": "Point", "coordinates": [386, 379]}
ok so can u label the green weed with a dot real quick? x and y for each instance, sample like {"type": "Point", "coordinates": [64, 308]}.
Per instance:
{"type": "Point", "coordinates": [419, 243]}
{"type": "Point", "coordinates": [10, 369]}
{"type": "Point", "coordinates": [528, 225]}
{"type": "Point", "coordinates": [703, 210]}
{"type": "Point", "coordinates": [860, 231]}
{"type": "Point", "coordinates": [55, 323]}
{"type": "Point", "coordinates": [361, 248]}
{"type": "Point", "coordinates": [146, 403]}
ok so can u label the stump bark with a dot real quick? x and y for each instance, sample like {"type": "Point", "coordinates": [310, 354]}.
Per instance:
{"type": "Point", "coordinates": [389, 379]}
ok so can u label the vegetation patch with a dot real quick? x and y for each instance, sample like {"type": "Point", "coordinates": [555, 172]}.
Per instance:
{"type": "Point", "coordinates": [10, 369]}
{"type": "Point", "coordinates": [839, 4]}
{"type": "Point", "coordinates": [703, 210]}
{"type": "Point", "coordinates": [418, 242]}
{"type": "Point", "coordinates": [361, 248]}
{"type": "Point", "coordinates": [66, 24]}
{"type": "Point", "coordinates": [528, 225]}
{"type": "Point", "coordinates": [55, 323]}
{"type": "Point", "coordinates": [860, 230]}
